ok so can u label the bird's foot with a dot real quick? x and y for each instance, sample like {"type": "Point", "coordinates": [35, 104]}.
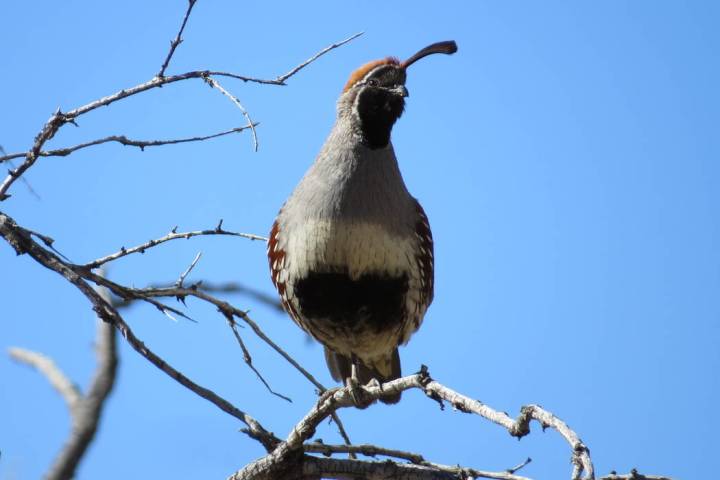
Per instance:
{"type": "Point", "coordinates": [358, 393]}
{"type": "Point", "coordinates": [375, 383]}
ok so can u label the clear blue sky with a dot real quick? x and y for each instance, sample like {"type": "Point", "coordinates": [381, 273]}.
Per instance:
{"type": "Point", "coordinates": [567, 157]}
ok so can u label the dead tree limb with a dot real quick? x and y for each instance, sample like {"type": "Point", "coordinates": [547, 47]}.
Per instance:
{"type": "Point", "coordinates": [85, 409]}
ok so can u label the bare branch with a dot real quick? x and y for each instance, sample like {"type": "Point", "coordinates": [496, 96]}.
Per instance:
{"type": "Point", "coordinates": [379, 470]}
{"type": "Point", "coordinates": [373, 451]}
{"type": "Point", "coordinates": [228, 311]}
{"type": "Point", "coordinates": [9, 158]}
{"type": "Point", "coordinates": [86, 417]}
{"type": "Point", "coordinates": [178, 39]}
{"type": "Point", "coordinates": [180, 280]}
{"type": "Point", "coordinates": [281, 79]}
{"type": "Point", "coordinates": [47, 132]}
{"type": "Point", "coordinates": [521, 426]}
{"type": "Point", "coordinates": [248, 359]}
{"type": "Point", "coordinates": [633, 475]}
{"type": "Point", "coordinates": [224, 307]}
{"type": "Point", "coordinates": [520, 465]}
{"type": "Point", "coordinates": [45, 365]}
{"type": "Point", "coordinates": [365, 449]}
{"type": "Point", "coordinates": [85, 410]}
{"type": "Point", "coordinates": [284, 454]}
{"type": "Point", "coordinates": [23, 243]}
{"type": "Point", "coordinates": [6, 157]}
{"type": "Point", "coordinates": [59, 118]}
{"type": "Point", "coordinates": [341, 430]}
{"type": "Point", "coordinates": [221, 287]}
{"type": "Point", "coordinates": [214, 84]}
{"type": "Point", "coordinates": [123, 140]}
{"type": "Point", "coordinates": [344, 397]}
{"type": "Point", "coordinates": [235, 287]}
{"type": "Point", "coordinates": [173, 235]}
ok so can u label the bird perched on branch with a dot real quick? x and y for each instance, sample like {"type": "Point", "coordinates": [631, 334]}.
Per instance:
{"type": "Point", "coordinates": [351, 251]}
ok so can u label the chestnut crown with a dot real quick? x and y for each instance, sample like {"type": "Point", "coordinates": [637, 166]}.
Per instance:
{"type": "Point", "coordinates": [377, 92]}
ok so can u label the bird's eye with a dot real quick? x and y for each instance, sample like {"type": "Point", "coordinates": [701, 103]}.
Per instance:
{"type": "Point", "coordinates": [373, 82]}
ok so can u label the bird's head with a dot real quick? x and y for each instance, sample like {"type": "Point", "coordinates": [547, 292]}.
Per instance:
{"type": "Point", "coordinates": [374, 96]}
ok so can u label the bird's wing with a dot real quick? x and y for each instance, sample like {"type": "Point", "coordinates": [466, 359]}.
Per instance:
{"type": "Point", "coordinates": [425, 256]}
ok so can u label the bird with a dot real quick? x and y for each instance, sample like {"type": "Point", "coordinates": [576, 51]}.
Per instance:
{"type": "Point", "coordinates": [351, 250]}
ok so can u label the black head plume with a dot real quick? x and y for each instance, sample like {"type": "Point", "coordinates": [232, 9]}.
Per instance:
{"type": "Point", "coordinates": [448, 48]}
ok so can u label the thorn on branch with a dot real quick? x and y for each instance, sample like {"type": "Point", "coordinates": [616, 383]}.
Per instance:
{"type": "Point", "coordinates": [519, 466]}
{"type": "Point", "coordinates": [424, 375]}
{"type": "Point", "coordinates": [425, 379]}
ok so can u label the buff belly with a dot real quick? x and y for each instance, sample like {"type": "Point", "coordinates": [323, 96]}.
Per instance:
{"type": "Point", "coordinates": [357, 291]}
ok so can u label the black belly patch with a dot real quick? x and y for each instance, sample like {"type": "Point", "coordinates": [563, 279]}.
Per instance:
{"type": "Point", "coordinates": [373, 299]}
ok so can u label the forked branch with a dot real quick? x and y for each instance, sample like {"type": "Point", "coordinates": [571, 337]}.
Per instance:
{"type": "Point", "coordinates": [59, 118]}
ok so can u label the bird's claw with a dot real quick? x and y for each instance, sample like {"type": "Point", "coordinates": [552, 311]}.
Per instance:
{"type": "Point", "coordinates": [357, 393]}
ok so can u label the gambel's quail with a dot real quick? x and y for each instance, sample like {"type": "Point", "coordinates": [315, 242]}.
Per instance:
{"type": "Point", "coordinates": [351, 251]}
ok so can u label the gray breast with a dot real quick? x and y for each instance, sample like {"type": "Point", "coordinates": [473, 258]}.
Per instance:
{"type": "Point", "coordinates": [351, 183]}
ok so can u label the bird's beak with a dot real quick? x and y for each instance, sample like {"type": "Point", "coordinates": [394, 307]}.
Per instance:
{"type": "Point", "coordinates": [400, 91]}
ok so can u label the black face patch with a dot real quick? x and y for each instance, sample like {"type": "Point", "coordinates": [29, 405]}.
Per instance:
{"type": "Point", "coordinates": [379, 108]}
{"type": "Point", "coordinates": [375, 300]}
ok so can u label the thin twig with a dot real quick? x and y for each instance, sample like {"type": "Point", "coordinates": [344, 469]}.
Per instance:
{"type": "Point", "coordinates": [341, 430]}
{"type": "Point", "coordinates": [12, 165]}
{"type": "Point", "coordinates": [173, 235]}
{"type": "Point", "coordinates": [235, 287]}
{"type": "Point", "coordinates": [248, 360]}
{"type": "Point", "coordinates": [520, 465]}
{"type": "Point", "coordinates": [223, 287]}
{"type": "Point", "coordinates": [364, 449]}
{"type": "Point", "coordinates": [224, 307]}
{"type": "Point", "coordinates": [322, 52]}
{"type": "Point", "coordinates": [187, 271]}
{"type": "Point", "coordinates": [178, 39]}
{"type": "Point", "coordinates": [214, 84]}
{"type": "Point", "coordinates": [123, 140]}
{"type": "Point", "coordinates": [48, 241]}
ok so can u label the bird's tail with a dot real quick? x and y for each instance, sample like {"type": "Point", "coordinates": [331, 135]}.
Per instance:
{"type": "Point", "coordinates": [385, 369]}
